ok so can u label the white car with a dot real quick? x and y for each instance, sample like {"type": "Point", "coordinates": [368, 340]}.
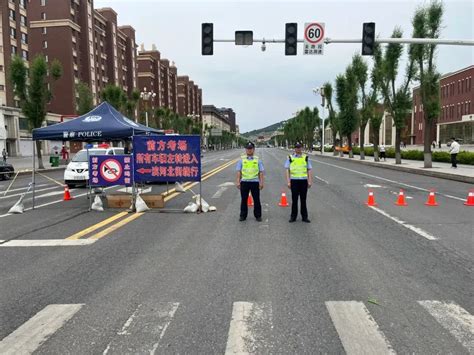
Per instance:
{"type": "Point", "coordinates": [77, 171]}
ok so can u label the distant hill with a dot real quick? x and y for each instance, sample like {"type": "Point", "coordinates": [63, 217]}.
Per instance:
{"type": "Point", "coordinates": [261, 131]}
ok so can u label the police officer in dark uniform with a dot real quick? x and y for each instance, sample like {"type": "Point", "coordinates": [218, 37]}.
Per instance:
{"type": "Point", "coordinates": [299, 178]}
{"type": "Point", "coordinates": [250, 180]}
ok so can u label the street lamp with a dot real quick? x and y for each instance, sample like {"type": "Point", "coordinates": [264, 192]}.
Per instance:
{"type": "Point", "coordinates": [320, 91]}
{"type": "Point", "coordinates": [146, 96]}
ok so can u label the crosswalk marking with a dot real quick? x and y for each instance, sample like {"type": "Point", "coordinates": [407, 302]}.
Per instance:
{"type": "Point", "coordinates": [143, 331]}
{"type": "Point", "coordinates": [29, 337]}
{"type": "Point", "coordinates": [47, 243]}
{"type": "Point", "coordinates": [455, 319]}
{"type": "Point", "coordinates": [247, 323]}
{"type": "Point", "coordinates": [358, 331]}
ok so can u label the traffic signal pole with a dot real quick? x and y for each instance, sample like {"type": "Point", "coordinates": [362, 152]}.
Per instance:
{"type": "Point", "coordinates": [327, 40]}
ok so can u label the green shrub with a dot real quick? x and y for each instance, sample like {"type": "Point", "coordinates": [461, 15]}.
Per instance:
{"type": "Point", "coordinates": [442, 157]}
{"type": "Point", "coordinates": [412, 155]}
{"type": "Point", "coordinates": [466, 158]}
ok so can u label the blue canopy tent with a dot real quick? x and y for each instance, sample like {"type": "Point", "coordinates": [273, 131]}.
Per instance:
{"type": "Point", "coordinates": [103, 123]}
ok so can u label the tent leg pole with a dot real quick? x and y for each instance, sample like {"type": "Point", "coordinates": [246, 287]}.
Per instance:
{"type": "Point", "coordinates": [33, 174]}
{"type": "Point", "coordinates": [200, 196]}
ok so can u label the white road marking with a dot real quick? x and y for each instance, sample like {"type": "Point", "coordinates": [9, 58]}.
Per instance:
{"type": "Point", "coordinates": [388, 180]}
{"type": "Point", "coordinates": [47, 243]}
{"type": "Point", "coordinates": [455, 319]}
{"type": "Point", "coordinates": [370, 186]}
{"type": "Point", "coordinates": [222, 188]}
{"type": "Point", "coordinates": [143, 331]}
{"type": "Point", "coordinates": [51, 203]}
{"type": "Point", "coordinates": [417, 230]}
{"type": "Point", "coordinates": [245, 328]}
{"type": "Point", "coordinates": [29, 193]}
{"type": "Point", "coordinates": [29, 337]}
{"type": "Point", "coordinates": [358, 331]}
{"type": "Point", "coordinates": [321, 179]}
{"type": "Point", "coordinates": [24, 188]}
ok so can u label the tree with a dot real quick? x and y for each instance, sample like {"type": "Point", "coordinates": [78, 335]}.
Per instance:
{"type": "Point", "coordinates": [85, 101]}
{"type": "Point", "coordinates": [132, 103]}
{"type": "Point", "coordinates": [332, 118]}
{"type": "Point", "coordinates": [376, 109]}
{"type": "Point", "coordinates": [116, 97]}
{"type": "Point", "coordinates": [31, 88]}
{"type": "Point", "coordinates": [397, 100]}
{"type": "Point", "coordinates": [427, 23]}
{"type": "Point", "coordinates": [360, 69]}
{"type": "Point", "coordinates": [346, 97]}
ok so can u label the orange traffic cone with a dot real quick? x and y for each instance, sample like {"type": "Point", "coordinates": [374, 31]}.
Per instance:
{"type": "Point", "coordinates": [431, 200]}
{"type": "Point", "coordinates": [470, 199]}
{"type": "Point", "coordinates": [401, 199]}
{"type": "Point", "coordinates": [250, 201]}
{"type": "Point", "coordinates": [67, 195]}
{"type": "Point", "coordinates": [371, 199]}
{"type": "Point", "coordinates": [283, 200]}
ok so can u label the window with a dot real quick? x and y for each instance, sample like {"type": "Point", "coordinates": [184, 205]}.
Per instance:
{"type": "Point", "coordinates": [1, 67]}
{"type": "Point", "coordinates": [23, 3]}
{"type": "Point", "coordinates": [46, 58]}
{"type": "Point", "coordinates": [14, 50]}
{"type": "Point", "coordinates": [45, 30]}
{"type": "Point", "coordinates": [459, 86]}
{"type": "Point", "coordinates": [24, 38]}
{"type": "Point", "coordinates": [12, 15]}
{"type": "Point", "coordinates": [469, 108]}
{"type": "Point", "coordinates": [24, 54]}
{"type": "Point", "coordinates": [12, 32]}
{"type": "Point", "coordinates": [43, 15]}
{"type": "Point", "coordinates": [45, 44]}
{"type": "Point", "coordinates": [43, 2]}
{"type": "Point", "coordinates": [23, 20]}
{"type": "Point", "coordinates": [2, 87]}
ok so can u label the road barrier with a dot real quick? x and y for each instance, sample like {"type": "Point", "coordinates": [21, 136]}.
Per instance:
{"type": "Point", "coordinates": [250, 201]}
{"type": "Point", "coordinates": [67, 194]}
{"type": "Point", "coordinates": [401, 199]}
{"type": "Point", "coordinates": [371, 199]}
{"type": "Point", "coordinates": [431, 200]}
{"type": "Point", "coordinates": [283, 200]}
{"type": "Point", "coordinates": [470, 199]}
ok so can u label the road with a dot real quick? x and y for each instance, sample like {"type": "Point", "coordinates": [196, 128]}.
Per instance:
{"type": "Point", "coordinates": [358, 280]}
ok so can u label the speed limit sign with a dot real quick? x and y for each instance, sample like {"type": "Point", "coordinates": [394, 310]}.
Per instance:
{"type": "Point", "coordinates": [314, 38]}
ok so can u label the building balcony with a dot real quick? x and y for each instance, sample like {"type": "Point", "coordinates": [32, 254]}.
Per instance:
{"type": "Point", "coordinates": [74, 40]}
{"type": "Point", "coordinates": [103, 56]}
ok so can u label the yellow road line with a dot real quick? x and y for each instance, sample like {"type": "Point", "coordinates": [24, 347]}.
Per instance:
{"type": "Point", "coordinates": [170, 195]}
{"type": "Point", "coordinates": [97, 226]}
{"type": "Point", "coordinates": [116, 226]}
{"type": "Point", "coordinates": [53, 180]}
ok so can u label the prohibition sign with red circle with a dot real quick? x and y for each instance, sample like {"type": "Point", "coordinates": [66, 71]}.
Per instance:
{"type": "Point", "coordinates": [313, 25]}
{"type": "Point", "coordinates": [111, 170]}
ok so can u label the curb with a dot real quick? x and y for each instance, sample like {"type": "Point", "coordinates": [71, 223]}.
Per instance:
{"type": "Point", "coordinates": [28, 172]}
{"type": "Point", "coordinates": [419, 171]}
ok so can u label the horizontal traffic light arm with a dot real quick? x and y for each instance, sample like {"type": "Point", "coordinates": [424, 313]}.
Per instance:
{"type": "Point", "coordinates": [453, 42]}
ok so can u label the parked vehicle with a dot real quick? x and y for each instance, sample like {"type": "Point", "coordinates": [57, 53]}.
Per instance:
{"type": "Point", "coordinates": [77, 171]}
{"type": "Point", "coordinates": [6, 170]}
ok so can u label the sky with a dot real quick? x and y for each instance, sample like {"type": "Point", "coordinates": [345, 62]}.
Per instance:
{"type": "Point", "coordinates": [268, 87]}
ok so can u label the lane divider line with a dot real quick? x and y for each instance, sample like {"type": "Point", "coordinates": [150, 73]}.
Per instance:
{"type": "Point", "coordinates": [417, 230]}
{"type": "Point", "coordinates": [51, 179]}
{"type": "Point", "coordinates": [387, 180]}
{"type": "Point", "coordinates": [97, 226]}
{"type": "Point", "coordinates": [116, 226]}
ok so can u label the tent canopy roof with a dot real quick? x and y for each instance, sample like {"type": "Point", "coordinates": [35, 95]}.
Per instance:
{"type": "Point", "coordinates": [101, 124]}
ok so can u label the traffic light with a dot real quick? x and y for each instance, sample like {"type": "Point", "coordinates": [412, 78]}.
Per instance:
{"type": "Point", "coordinates": [368, 38]}
{"type": "Point", "coordinates": [244, 38]}
{"type": "Point", "coordinates": [291, 38]}
{"type": "Point", "coordinates": [207, 47]}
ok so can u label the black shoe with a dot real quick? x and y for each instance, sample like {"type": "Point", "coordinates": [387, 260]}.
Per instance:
{"type": "Point", "coordinates": [306, 220]}
{"type": "Point", "coordinates": [292, 220]}
{"type": "Point", "coordinates": [241, 219]}
{"type": "Point", "coordinates": [259, 219]}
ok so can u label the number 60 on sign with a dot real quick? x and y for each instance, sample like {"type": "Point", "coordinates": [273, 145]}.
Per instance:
{"type": "Point", "coordinates": [314, 38]}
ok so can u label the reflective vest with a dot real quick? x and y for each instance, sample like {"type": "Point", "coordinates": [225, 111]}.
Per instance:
{"type": "Point", "coordinates": [299, 167]}
{"type": "Point", "coordinates": [250, 168]}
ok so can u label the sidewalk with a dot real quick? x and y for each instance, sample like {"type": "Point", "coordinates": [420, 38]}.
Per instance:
{"type": "Point", "coordinates": [26, 163]}
{"type": "Point", "coordinates": [464, 173]}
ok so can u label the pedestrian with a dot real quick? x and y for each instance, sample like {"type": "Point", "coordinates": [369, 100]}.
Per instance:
{"type": "Point", "coordinates": [300, 179]}
{"type": "Point", "coordinates": [434, 144]}
{"type": "Point", "coordinates": [439, 144]}
{"type": "Point", "coordinates": [64, 153]}
{"type": "Point", "coordinates": [4, 155]}
{"type": "Point", "coordinates": [454, 150]}
{"type": "Point", "coordinates": [382, 152]}
{"type": "Point", "coordinates": [250, 180]}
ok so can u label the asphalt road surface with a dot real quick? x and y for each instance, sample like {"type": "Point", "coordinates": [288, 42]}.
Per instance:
{"type": "Point", "coordinates": [357, 280]}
